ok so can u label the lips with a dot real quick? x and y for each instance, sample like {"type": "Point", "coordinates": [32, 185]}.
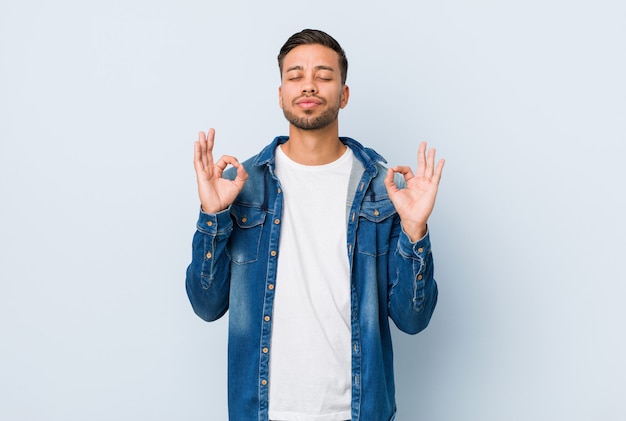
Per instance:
{"type": "Point", "coordinates": [308, 102]}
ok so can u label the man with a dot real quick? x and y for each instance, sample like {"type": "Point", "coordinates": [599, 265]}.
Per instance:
{"type": "Point", "coordinates": [313, 245]}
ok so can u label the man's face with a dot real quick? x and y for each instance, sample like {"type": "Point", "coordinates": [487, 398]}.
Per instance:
{"type": "Point", "coordinates": [311, 92]}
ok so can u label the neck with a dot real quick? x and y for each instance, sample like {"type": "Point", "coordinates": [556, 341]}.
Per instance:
{"type": "Point", "coordinates": [314, 147]}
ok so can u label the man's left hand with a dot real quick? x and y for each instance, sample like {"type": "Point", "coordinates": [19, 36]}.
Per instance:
{"type": "Point", "coordinates": [415, 203]}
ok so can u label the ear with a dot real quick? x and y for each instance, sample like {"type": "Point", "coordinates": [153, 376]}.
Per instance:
{"type": "Point", "coordinates": [280, 96]}
{"type": "Point", "coordinates": [345, 95]}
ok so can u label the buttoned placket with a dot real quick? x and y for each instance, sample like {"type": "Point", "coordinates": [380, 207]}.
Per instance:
{"type": "Point", "coordinates": [268, 303]}
{"type": "Point", "coordinates": [354, 319]}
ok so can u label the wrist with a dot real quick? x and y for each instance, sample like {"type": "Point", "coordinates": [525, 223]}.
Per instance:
{"type": "Point", "coordinates": [210, 209]}
{"type": "Point", "coordinates": [415, 231]}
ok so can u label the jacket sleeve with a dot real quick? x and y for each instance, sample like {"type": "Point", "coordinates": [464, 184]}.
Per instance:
{"type": "Point", "coordinates": [412, 290]}
{"type": "Point", "coordinates": [208, 275]}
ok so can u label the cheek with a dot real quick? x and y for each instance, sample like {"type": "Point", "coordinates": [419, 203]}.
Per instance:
{"type": "Point", "coordinates": [283, 98]}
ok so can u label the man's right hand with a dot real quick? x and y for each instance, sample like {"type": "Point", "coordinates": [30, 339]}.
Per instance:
{"type": "Point", "coordinates": [216, 193]}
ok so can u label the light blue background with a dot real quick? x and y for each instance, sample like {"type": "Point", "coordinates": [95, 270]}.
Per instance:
{"type": "Point", "coordinates": [100, 102]}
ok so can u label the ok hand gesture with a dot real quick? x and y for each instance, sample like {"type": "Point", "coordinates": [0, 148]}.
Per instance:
{"type": "Point", "coordinates": [415, 203]}
{"type": "Point", "coordinates": [216, 193]}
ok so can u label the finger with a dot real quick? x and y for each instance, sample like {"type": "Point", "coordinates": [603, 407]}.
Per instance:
{"type": "Point", "coordinates": [225, 161]}
{"type": "Point", "coordinates": [210, 141]}
{"type": "Point", "coordinates": [200, 153]}
{"type": "Point", "coordinates": [430, 163]}
{"type": "Point", "coordinates": [201, 142]}
{"type": "Point", "coordinates": [421, 159]}
{"type": "Point", "coordinates": [438, 171]}
{"type": "Point", "coordinates": [406, 172]}
{"type": "Point", "coordinates": [197, 158]}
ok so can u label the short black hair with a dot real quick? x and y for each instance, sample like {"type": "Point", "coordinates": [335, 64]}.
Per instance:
{"type": "Point", "coordinates": [311, 37]}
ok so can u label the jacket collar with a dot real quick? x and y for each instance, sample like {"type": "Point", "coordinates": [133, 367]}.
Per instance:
{"type": "Point", "coordinates": [368, 157]}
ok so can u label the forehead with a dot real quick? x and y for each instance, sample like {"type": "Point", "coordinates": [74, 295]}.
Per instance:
{"type": "Point", "coordinates": [310, 56]}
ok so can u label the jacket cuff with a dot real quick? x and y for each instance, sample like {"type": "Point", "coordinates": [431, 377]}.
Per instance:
{"type": "Point", "coordinates": [213, 223]}
{"type": "Point", "coordinates": [414, 249]}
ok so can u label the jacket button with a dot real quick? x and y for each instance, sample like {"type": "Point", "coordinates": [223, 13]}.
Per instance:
{"type": "Point", "coordinates": [264, 382]}
{"type": "Point", "coordinates": [266, 318]}
{"type": "Point", "coordinates": [265, 350]}
{"type": "Point", "coordinates": [270, 286]}
{"type": "Point", "coordinates": [209, 223]}
{"type": "Point", "coordinates": [419, 277]}
{"type": "Point", "coordinates": [376, 213]}
{"type": "Point", "coordinates": [276, 221]}
{"type": "Point", "coordinates": [273, 253]}
{"type": "Point", "coordinates": [209, 255]}
{"type": "Point", "coordinates": [420, 250]}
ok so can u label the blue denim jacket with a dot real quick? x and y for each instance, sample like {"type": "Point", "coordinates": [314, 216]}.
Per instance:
{"type": "Point", "coordinates": [234, 263]}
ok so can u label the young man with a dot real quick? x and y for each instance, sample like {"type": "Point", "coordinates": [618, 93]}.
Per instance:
{"type": "Point", "coordinates": [312, 245]}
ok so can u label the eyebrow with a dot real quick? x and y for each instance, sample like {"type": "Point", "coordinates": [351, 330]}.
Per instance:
{"type": "Point", "coordinates": [320, 67]}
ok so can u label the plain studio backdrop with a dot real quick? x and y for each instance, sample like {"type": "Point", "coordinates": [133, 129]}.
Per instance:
{"type": "Point", "coordinates": [100, 102]}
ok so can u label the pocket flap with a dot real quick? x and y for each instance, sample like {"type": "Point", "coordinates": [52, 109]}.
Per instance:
{"type": "Point", "coordinates": [377, 211]}
{"type": "Point", "coordinates": [247, 216]}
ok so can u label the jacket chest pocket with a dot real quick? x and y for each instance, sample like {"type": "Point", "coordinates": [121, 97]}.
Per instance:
{"type": "Point", "coordinates": [375, 227]}
{"type": "Point", "coordinates": [243, 245]}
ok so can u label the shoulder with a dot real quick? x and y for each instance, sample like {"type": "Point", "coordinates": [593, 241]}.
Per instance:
{"type": "Point", "coordinates": [374, 163]}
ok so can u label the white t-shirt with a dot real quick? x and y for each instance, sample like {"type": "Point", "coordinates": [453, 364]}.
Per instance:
{"type": "Point", "coordinates": [310, 354]}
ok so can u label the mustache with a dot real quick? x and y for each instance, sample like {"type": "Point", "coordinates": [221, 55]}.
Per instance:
{"type": "Point", "coordinates": [306, 96]}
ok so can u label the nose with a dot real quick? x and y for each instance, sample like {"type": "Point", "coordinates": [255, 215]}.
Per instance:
{"type": "Point", "coordinates": [308, 85]}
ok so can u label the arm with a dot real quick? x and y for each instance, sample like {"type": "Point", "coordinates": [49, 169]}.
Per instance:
{"type": "Point", "coordinates": [413, 290]}
{"type": "Point", "coordinates": [208, 275]}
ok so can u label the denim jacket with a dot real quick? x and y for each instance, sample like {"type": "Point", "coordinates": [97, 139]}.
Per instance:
{"type": "Point", "coordinates": [234, 264]}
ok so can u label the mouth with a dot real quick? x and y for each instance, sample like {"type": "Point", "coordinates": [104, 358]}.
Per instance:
{"type": "Point", "coordinates": [308, 102]}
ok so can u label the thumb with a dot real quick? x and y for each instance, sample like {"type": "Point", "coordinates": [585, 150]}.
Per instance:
{"type": "Point", "coordinates": [242, 176]}
{"type": "Point", "coordinates": [390, 184]}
